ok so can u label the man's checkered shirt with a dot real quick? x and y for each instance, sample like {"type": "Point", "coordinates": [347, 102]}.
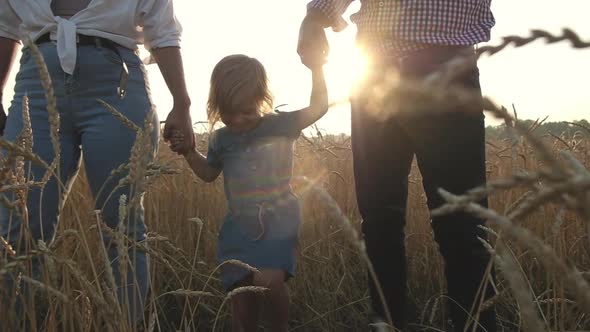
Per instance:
{"type": "Point", "coordinates": [399, 27]}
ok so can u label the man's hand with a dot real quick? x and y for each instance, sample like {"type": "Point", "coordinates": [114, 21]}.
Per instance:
{"type": "Point", "coordinates": [312, 47]}
{"type": "Point", "coordinates": [2, 119]}
{"type": "Point", "coordinates": [179, 122]}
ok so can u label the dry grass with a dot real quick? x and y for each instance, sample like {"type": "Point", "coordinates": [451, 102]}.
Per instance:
{"type": "Point", "coordinates": [329, 292]}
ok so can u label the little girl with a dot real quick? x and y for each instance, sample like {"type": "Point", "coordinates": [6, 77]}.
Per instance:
{"type": "Point", "coordinates": [255, 153]}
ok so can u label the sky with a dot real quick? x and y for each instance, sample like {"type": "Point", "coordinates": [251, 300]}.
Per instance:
{"type": "Point", "coordinates": [540, 80]}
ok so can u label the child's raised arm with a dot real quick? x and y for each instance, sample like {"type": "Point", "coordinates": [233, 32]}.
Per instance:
{"type": "Point", "coordinates": [318, 102]}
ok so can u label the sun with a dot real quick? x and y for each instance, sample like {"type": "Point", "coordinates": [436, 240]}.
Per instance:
{"type": "Point", "coordinates": [345, 68]}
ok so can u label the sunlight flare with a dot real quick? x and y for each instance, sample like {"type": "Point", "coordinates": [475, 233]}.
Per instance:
{"type": "Point", "coordinates": [344, 70]}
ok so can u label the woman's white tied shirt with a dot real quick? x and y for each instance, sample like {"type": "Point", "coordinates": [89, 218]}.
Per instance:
{"type": "Point", "coordinates": [125, 22]}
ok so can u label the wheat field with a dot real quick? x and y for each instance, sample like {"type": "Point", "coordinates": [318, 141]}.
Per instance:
{"type": "Point", "coordinates": [329, 292]}
{"type": "Point", "coordinates": [539, 225]}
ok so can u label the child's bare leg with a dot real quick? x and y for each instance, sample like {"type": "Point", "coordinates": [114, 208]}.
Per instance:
{"type": "Point", "coordinates": [245, 312]}
{"type": "Point", "coordinates": [277, 298]}
{"type": "Point", "coordinates": [245, 309]}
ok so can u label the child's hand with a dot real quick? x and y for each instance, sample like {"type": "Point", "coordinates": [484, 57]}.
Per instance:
{"type": "Point", "coordinates": [176, 140]}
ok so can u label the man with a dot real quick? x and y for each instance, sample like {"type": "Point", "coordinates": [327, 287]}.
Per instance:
{"type": "Point", "coordinates": [407, 40]}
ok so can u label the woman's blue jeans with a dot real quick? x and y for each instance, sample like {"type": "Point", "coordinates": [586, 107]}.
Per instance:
{"type": "Point", "coordinates": [87, 129]}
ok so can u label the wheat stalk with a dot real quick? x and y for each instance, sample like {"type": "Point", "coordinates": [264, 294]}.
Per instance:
{"type": "Point", "coordinates": [49, 262]}
{"type": "Point", "coordinates": [188, 293]}
{"type": "Point", "coordinates": [237, 291]}
{"type": "Point", "coordinates": [125, 120]}
{"type": "Point", "coordinates": [141, 156]}
{"type": "Point", "coordinates": [111, 289]}
{"type": "Point", "coordinates": [19, 151]}
{"type": "Point", "coordinates": [357, 241]}
{"type": "Point", "coordinates": [547, 255]}
{"type": "Point", "coordinates": [51, 108]}
{"type": "Point", "coordinates": [50, 290]}
{"type": "Point", "coordinates": [7, 247]}
{"type": "Point", "coordinates": [26, 135]}
{"type": "Point", "coordinates": [520, 289]}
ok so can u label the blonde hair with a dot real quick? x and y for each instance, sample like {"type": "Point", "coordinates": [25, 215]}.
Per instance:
{"type": "Point", "coordinates": [237, 79]}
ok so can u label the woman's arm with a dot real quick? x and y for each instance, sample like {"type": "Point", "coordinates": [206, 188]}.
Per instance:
{"type": "Point", "coordinates": [162, 37]}
{"type": "Point", "coordinates": [8, 49]}
{"type": "Point", "coordinates": [170, 63]}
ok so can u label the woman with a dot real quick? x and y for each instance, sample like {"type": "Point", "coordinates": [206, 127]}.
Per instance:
{"type": "Point", "coordinates": [90, 51]}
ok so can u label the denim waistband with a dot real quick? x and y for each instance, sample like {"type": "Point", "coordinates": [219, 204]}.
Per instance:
{"type": "Point", "coordinates": [99, 42]}
{"type": "Point", "coordinates": [83, 40]}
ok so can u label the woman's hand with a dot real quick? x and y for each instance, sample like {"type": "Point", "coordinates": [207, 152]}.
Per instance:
{"type": "Point", "coordinates": [179, 125]}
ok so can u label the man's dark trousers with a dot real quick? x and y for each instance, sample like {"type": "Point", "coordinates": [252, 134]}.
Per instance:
{"type": "Point", "coordinates": [448, 141]}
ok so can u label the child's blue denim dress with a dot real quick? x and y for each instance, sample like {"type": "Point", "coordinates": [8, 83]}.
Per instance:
{"type": "Point", "coordinates": [263, 217]}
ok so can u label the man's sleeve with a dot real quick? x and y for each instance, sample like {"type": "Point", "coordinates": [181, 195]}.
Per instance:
{"type": "Point", "coordinates": [330, 11]}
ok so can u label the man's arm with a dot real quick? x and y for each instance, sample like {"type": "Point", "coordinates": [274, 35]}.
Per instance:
{"type": "Point", "coordinates": [312, 46]}
{"type": "Point", "coordinates": [8, 49]}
